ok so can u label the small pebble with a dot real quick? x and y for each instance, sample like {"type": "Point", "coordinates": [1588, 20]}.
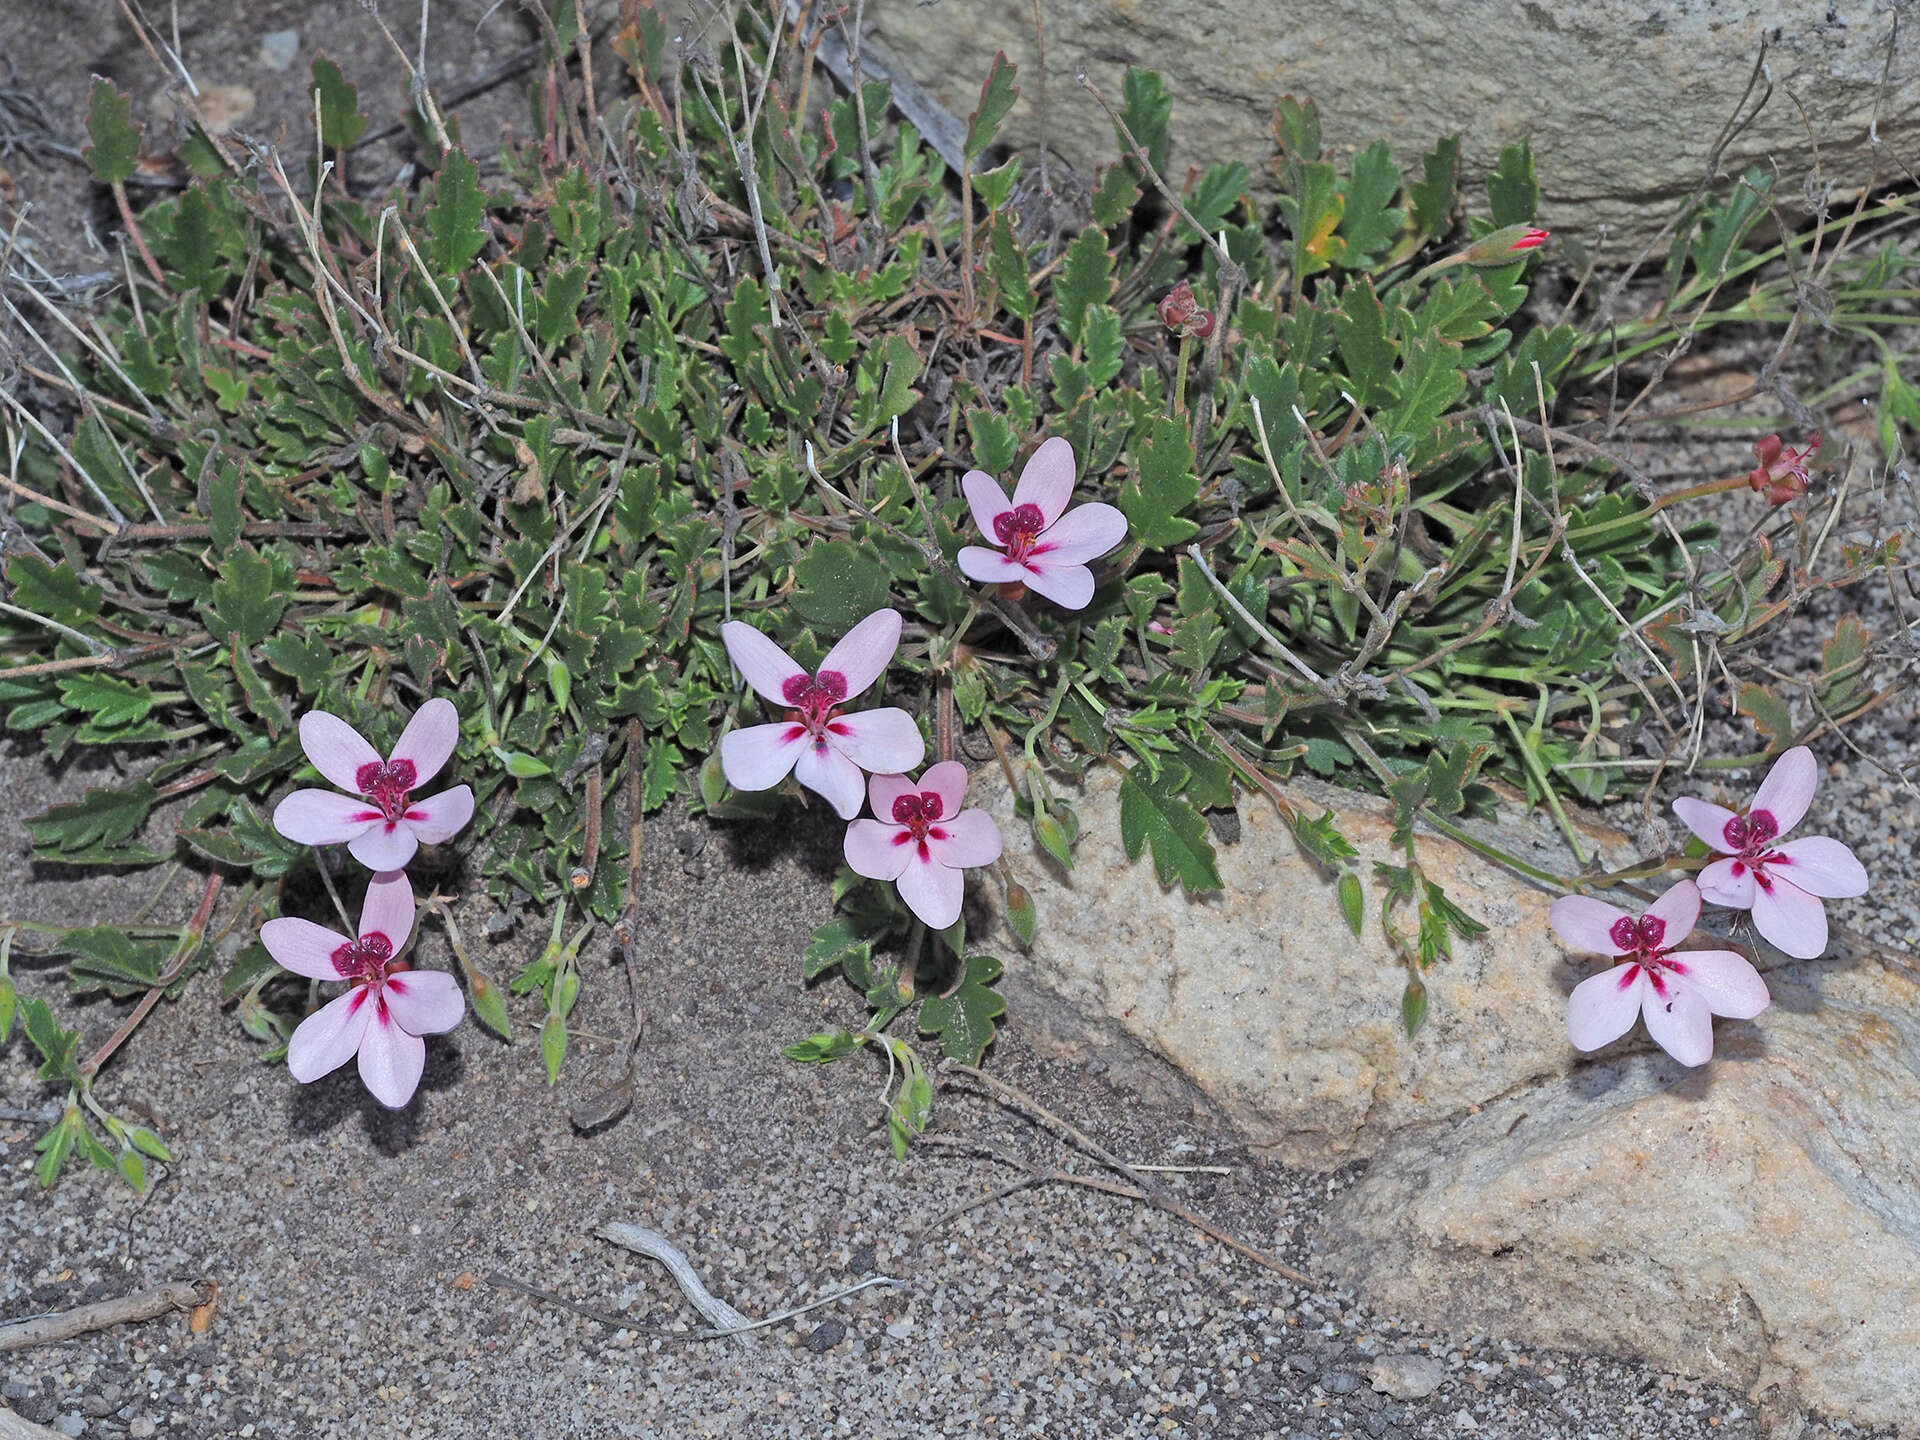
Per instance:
{"type": "Point", "coordinates": [901, 1330]}
{"type": "Point", "coordinates": [1339, 1382]}
{"type": "Point", "coordinates": [824, 1336]}
{"type": "Point", "coordinates": [72, 1423]}
{"type": "Point", "coordinates": [140, 1427]}
{"type": "Point", "coordinates": [278, 50]}
{"type": "Point", "coordinates": [1408, 1377]}
{"type": "Point", "coordinates": [1463, 1419]}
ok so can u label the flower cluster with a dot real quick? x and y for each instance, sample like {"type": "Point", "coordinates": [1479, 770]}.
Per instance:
{"type": "Point", "coordinates": [1781, 474]}
{"type": "Point", "coordinates": [1679, 991]}
{"type": "Point", "coordinates": [388, 1006]}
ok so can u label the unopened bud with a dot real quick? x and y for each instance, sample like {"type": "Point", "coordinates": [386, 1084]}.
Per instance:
{"type": "Point", "coordinates": [1201, 326]}
{"type": "Point", "coordinates": [1505, 245]}
{"type": "Point", "coordinates": [1177, 306]}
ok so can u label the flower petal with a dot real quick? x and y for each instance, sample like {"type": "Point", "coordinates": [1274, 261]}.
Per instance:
{"type": "Point", "coordinates": [883, 790]}
{"type": "Point", "coordinates": [766, 666]}
{"type": "Point", "coordinates": [424, 1002]}
{"type": "Point", "coordinates": [336, 749]}
{"type": "Point", "coordinates": [1728, 882]}
{"type": "Point", "coordinates": [985, 498]}
{"type": "Point", "coordinates": [429, 739]}
{"type": "Point", "coordinates": [390, 1059]}
{"type": "Point", "coordinates": [1790, 918]}
{"type": "Point", "coordinates": [303, 947]}
{"type": "Point", "coordinates": [1068, 586]}
{"type": "Point", "coordinates": [1602, 1007]}
{"type": "Point", "coordinates": [881, 742]}
{"type": "Point", "coordinates": [1047, 481]}
{"type": "Point", "coordinates": [388, 908]}
{"type": "Point", "coordinates": [971, 839]}
{"type": "Point", "coordinates": [878, 850]}
{"type": "Point", "coordinates": [1819, 866]}
{"type": "Point", "coordinates": [1586, 924]}
{"type": "Point", "coordinates": [1788, 789]}
{"type": "Point", "coordinates": [827, 772]}
{"type": "Point", "coordinates": [328, 1036]}
{"type": "Point", "coordinates": [931, 890]}
{"type": "Point", "coordinates": [761, 756]}
{"type": "Point", "coordinates": [863, 652]}
{"type": "Point", "coordinates": [384, 846]}
{"type": "Point", "coordinates": [1679, 1022]}
{"type": "Point", "coordinates": [1726, 981]}
{"type": "Point", "coordinates": [989, 567]}
{"type": "Point", "coordinates": [320, 817]}
{"type": "Point", "coordinates": [948, 780]}
{"type": "Point", "coordinates": [1706, 820]}
{"type": "Point", "coordinates": [438, 818]}
{"type": "Point", "coordinates": [1680, 908]}
{"type": "Point", "coordinates": [1084, 533]}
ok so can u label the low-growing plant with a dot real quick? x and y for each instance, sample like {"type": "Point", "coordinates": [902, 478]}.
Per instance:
{"type": "Point", "coordinates": [707, 355]}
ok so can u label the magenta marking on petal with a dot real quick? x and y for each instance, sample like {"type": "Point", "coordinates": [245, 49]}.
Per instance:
{"type": "Point", "coordinates": [1018, 528]}
{"type": "Point", "coordinates": [814, 696]}
{"type": "Point", "coordinates": [1628, 975]}
{"type": "Point", "coordinates": [1652, 928]}
{"type": "Point", "coordinates": [1659, 984]}
{"type": "Point", "coordinates": [386, 785]}
{"type": "Point", "coordinates": [918, 812]}
{"type": "Point", "coordinates": [1762, 827]}
{"type": "Point", "coordinates": [1675, 964]}
{"type": "Point", "coordinates": [343, 959]}
{"type": "Point", "coordinates": [364, 816]}
{"type": "Point", "coordinates": [1623, 935]}
{"type": "Point", "coordinates": [1736, 834]}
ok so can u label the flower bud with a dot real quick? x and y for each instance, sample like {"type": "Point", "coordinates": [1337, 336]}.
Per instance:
{"type": "Point", "coordinates": [1505, 245]}
{"type": "Point", "coordinates": [1201, 326]}
{"type": "Point", "coordinates": [1177, 306]}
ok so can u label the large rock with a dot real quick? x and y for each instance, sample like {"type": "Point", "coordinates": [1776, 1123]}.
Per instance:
{"type": "Point", "coordinates": [1263, 996]}
{"type": "Point", "coordinates": [1756, 1222]}
{"type": "Point", "coordinates": [1623, 98]}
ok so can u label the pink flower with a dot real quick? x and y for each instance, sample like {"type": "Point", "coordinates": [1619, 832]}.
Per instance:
{"type": "Point", "coordinates": [1782, 884]}
{"type": "Point", "coordinates": [1792, 480]}
{"type": "Point", "coordinates": [928, 842]}
{"type": "Point", "coordinates": [389, 1007]}
{"type": "Point", "coordinates": [1043, 545]}
{"type": "Point", "coordinates": [385, 825]}
{"type": "Point", "coordinates": [1679, 991]}
{"type": "Point", "coordinates": [824, 749]}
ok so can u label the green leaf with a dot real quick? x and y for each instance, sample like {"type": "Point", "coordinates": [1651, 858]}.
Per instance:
{"type": "Point", "coordinates": [247, 602]}
{"type": "Point", "coordinates": [996, 99]}
{"type": "Point", "coordinates": [9, 1005]}
{"type": "Point", "coordinates": [456, 222]}
{"type": "Point", "coordinates": [1722, 234]}
{"type": "Point", "coordinates": [1432, 194]}
{"type": "Point", "coordinates": [1313, 214]}
{"type": "Point", "coordinates": [1367, 349]}
{"type": "Point", "coordinates": [1021, 917]}
{"type": "Point", "coordinates": [54, 591]}
{"type": "Point", "coordinates": [1163, 484]}
{"type": "Point", "coordinates": [56, 1046]}
{"type": "Point", "coordinates": [148, 1143]}
{"type": "Point", "coordinates": [1153, 813]}
{"type": "Point", "coordinates": [1413, 1006]}
{"type": "Point", "coordinates": [838, 942]}
{"type": "Point", "coordinates": [341, 123]}
{"type": "Point", "coordinates": [1842, 664]}
{"type": "Point", "coordinates": [1007, 262]}
{"type": "Point", "coordinates": [116, 139]}
{"type": "Point", "coordinates": [840, 584]}
{"type": "Point", "coordinates": [1146, 110]}
{"type": "Point", "coordinates": [995, 442]}
{"type": "Point", "coordinates": [821, 1048]}
{"type": "Point", "coordinates": [109, 703]}
{"type": "Point", "coordinates": [249, 967]}
{"type": "Point", "coordinates": [1086, 278]}
{"type": "Point", "coordinates": [107, 958]}
{"type": "Point", "coordinates": [1106, 346]}
{"type": "Point", "coordinates": [56, 1145]}
{"type": "Point", "coordinates": [963, 1016]}
{"type": "Point", "coordinates": [1371, 222]}
{"type": "Point", "coordinates": [1114, 197]}
{"type": "Point", "coordinates": [103, 817]}
{"type": "Point", "coordinates": [1769, 713]}
{"type": "Point", "coordinates": [1511, 189]}
{"type": "Point", "coordinates": [1351, 900]}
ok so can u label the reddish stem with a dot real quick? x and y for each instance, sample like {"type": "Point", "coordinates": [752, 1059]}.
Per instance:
{"type": "Point", "coordinates": [188, 947]}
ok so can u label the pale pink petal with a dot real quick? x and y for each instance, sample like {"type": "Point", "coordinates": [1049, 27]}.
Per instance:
{"type": "Point", "coordinates": [336, 749]}
{"type": "Point", "coordinates": [424, 1002]}
{"type": "Point", "coordinates": [881, 742]}
{"type": "Point", "coordinates": [1068, 586]}
{"type": "Point", "coordinates": [384, 846]}
{"type": "Point", "coordinates": [438, 818]}
{"type": "Point", "coordinates": [1728, 882]}
{"type": "Point", "coordinates": [1084, 533]}
{"type": "Point", "coordinates": [825, 771]}
{"type": "Point", "coordinates": [388, 909]}
{"type": "Point", "coordinates": [303, 947]}
{"type": "Point", "coordinates": [1680, 908]}
{"type": "Point", "coordinates": [429, 739]}
{"type": "Point", "coordinates": [1791, 919]}
{"type": "Point", "coordinates": [1047, 481]}
{"type": "Point", "coordinates": [883, 790]}
{"type": "Point", "coordinates": [876, 850]}
{"type": "Point", "coordinates": [931, 890]}
{"type": "Point", "coordinates": [761, 756]}
{"type": "Point", "coordinates": [328, 1036]}
{"type": "Point", "coordinates": [1706, 820]}
{"type": "Point", "coordinates": [863, 652]}
{"type": "Point", "coordinates": [971, 839]}
{"type": "Point", "coordinates": [390, 1059]}
{"type": "Point", "coordinates": [766, 666]}
{"type": "Point", "coordinates": [1819, 866]}
{"type": "Point", "coordinates": [1586, 924]}
{"type": "Point", "coordinates": [1726, 981]}
{"type": "Point", "coordinates": [989, 567]}
{"type": "Point", "coordinates": [320, 817]}
{"type": "Point", "coordinates": [1788, 789]}
{"type": "Point", "coordinates": [985, 498]}
{"type": "Point", "coordinates": [1679, 1022]}
{"type": "Point", "coordinates": [1602, 1007]}
{"type": "Point", "coordinates": [948, 780]}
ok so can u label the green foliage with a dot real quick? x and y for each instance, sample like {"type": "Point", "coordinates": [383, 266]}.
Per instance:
{"type": "Point", "coordinates": [116, 139]}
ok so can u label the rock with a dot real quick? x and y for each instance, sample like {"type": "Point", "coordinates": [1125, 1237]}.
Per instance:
{"type": "Point", "coordinates": [1463, 1419]}
{"type": "Point", "coordinates": [1622, 99]}
{"type": "Point", "coordinates": [1408, 1377]}
{"type": "Point", "coordinates": [72, 1424]}
{"type": "Point", "coordinates": [1339, 1382]}
{"type": "Point", "coordinates": [278, 50]}
{"type": "Point", "coordinates": [1263, 996]}
{"type": "Point", "coordinates": [141, 1427]}
{"type": "Point", "coordinates": [1755, 1223]}
{"type": "Point", "coordinates": [824, 1336]}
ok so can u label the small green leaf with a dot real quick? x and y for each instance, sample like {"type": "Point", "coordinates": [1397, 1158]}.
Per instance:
{"type": "Point", "coordinates": [456, 222]}
{"type": "Point", "coordinates": [116, 139]}
{"type": "Point", "coordinates": [341, 123]}
{"type": "Point", "coordinates": [996, 99]}
{"type": "Point", "coordinates": [994, 441]}
{"type": "Point", "coordinates": [838, 942]}
{"type": "Point", "coordinates": [56, 1145]}
{"type": "Point", "coordinates": [247, 603]}
{"type": "Point", "coordinates": [1086, 278]}
{"type": "Point", "coordinates": [1367, 348]}
{"type": "Point", "coordinates": [963, 1016]}
{"type": "Point", "coordinates": [103, 817]}
{"type": "Point", "coordinates": [1162, 486]}
{"type": "Point", "coordinates": [56, 1046]}
{"type": "Point", "coordinates": [1370, 222]}
{"type": "Point", "coordinates": [1351, 900]}
{"type": "Point", "coordinates": [1413, 1006]}
{"type": "Point", "coordinates": [1021, 915]}
{"type": "Point", "coordinates": [840, 584]}
{"type": "Point", "coordinates": [1511, 189]}
{"type": "Point", "coordinates": [1146, 110]}
{"type": "Point", "coordinates": [1769, 713]}
{"type": "Point", "coordinates": [149, 1143]}
{"type": "Point", "coordinates": [819, 1049]}
{"type": "Point", "coordinates": [108, 702]}
{"type": "Point", "coordinates": [1432, 193]}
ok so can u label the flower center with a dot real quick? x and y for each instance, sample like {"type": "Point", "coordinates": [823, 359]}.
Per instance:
{"type": "Point", "coordinates": [917, 812]}
{"type": "Point", "coordinates": [814, 698]}
{"type": "Point", "coordinates": [367, 959]}
{"type": "Point", "coordinates": [1018, 528]}
{"type": "Point", "coordinates": [1639, 938]}
{"type": "Point", "coordinates": [386, 785]}
{"type": "Point", "coordinates": [1749, 838]}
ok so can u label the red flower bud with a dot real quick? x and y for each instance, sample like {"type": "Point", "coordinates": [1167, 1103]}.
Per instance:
{"type": "Point", "coordinates": [1177, 306]}
{"type": "Point", "coordinates": [1505, 245]}
{"type": "Point", "coordinates": [1201, 326]}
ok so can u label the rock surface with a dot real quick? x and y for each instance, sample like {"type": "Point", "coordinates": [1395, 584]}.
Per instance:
{"type": "Point", "coordinates": [1408, 1377]}
{"type": "Point", "coordinates": [1757, 1222]}
{"type": "Point", "coordinates": [1623, 99]}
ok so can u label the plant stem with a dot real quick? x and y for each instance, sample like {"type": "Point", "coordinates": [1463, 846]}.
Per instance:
{"type": "Point", "coordinates": [183, 953]}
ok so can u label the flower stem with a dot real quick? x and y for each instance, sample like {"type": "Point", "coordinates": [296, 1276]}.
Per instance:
{"type": "Point", "coordinates": [183, 953]}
